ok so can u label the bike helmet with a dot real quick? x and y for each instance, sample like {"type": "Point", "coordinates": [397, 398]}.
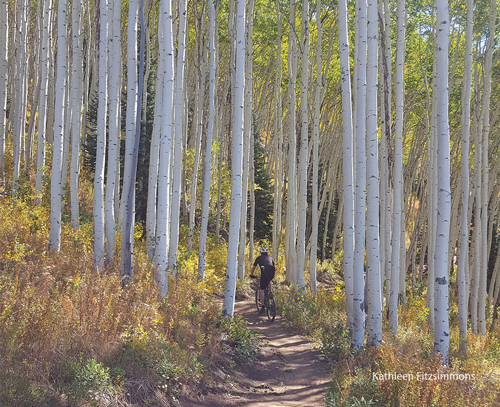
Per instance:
{"type": "Point", "coordinates": [264, 250]}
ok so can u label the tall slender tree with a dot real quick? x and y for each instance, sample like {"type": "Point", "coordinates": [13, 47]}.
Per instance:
{"type": "Point", "coordinates": [163, 222]}
{"type": "Point", "coordinates": [56, 181]}
{"type": "Point", "coordinates": [131, 119]}
{"type": "Point", "coordinates": [291, 206]}
{"type": "Point", "coordinates": [464, 218]}
{"type": "Point", "coordinates": [315, 158]}
{"type": "Point", "coordinates": [21, 93]}
{"type": "Point", "coordinates": [442, 328]}
{"type": "Point", "coordinates": [358, 326]}
{"type": "Point", "coordinates": [45, 53]}
{"type": "Point", "coordinates": [102, 113]}
{"type": "Point", "coordinates": [374, 291]}
{"type": "Point", "coordinates": [179, 116]}
{"type": "Point", "coordinates": [398, 168]}
{"type": "Point", "coordinates": [236, 163]}
{"type": "Point", "coordinates": [207, 159]}
{"type": "Point", "coordinates": [304, 144]}
{"type": "Point", "coordinates": [76, 109]}
{"type": "Point", "coordinates": [114, 127]}
{"type": "Point", "coordinates": [347, 162]}
{"type": "Point", "coordinates": [4, 41]}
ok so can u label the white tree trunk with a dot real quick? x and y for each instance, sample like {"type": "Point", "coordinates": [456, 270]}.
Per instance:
{"type": "Point", "coordinates": [76, 106]}
{"type": "Point", "coordinates": [442, 329]}
{"type": "Point", "coordinates": [99, 232]}
{"type": "Point", "coordinates": [315, 160]}
{"type": "Point", "coordinates": [163, 223]}
{"type": "Point", "coordinates": [304, 157]}
{"type": "Point", "coordinates": [178, 128]}
{"type": "Point", "coordinates": [374, 291]}
{"type": "Point", "coordinates": [485, 113]}
{"type": "Point", "coordinates": [21, 92]}
{"type": "Point", "coordinates": [236, 164]}
{"type": "Point", "coordinates": [4, 41]}
{"type": "Point", "coordinates": [128, 191]}
{"type": "Point", "coordinates": [358, 328]}
{"type": "Point", "coordinates": [279, 162]}
{"type": "Point", "coordinates": [464, 219]}
{"type": "Point", "coordinates": [291, 221]}
{"type": "Point", "coordinates": [398, 167]}
{"type": "Point", "coordinates": [154, 154]}
{"type": "Point", "coordinates": [114, 127]}
{"type": "Point", "coordinates": [207, 162]}
{"type": "Point", "coordinates": [348, 163]}
{"type": "Point", "coordinates": [56, 182]}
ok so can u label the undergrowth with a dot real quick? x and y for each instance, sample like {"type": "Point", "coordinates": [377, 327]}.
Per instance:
{"type": "Point", "coordinates": [70, 336]}
{"type": "Point", "coordinates": [370, 377]}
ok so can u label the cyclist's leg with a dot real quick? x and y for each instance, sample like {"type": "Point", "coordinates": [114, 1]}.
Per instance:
{"type": "Point", "coordinates": [264, 282]}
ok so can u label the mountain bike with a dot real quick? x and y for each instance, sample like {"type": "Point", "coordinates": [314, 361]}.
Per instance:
{"type": "Point", "coordinates": [269, 302]}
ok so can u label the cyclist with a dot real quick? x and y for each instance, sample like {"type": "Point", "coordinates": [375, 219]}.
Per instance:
{"type": "Point", "coordinates": [267, 266]}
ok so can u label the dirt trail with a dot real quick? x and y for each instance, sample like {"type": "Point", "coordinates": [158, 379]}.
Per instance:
{"type": "Point", "coordinates": [289, 372]}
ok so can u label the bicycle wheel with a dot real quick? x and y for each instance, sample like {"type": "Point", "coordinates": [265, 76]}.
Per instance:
{"type": "Point", "coordinates": [257, 297]}
{"type": "Point", "coordinates": [271, 308]}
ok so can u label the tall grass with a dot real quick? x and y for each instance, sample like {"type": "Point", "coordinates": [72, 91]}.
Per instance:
{"type": "Point", "coordinates": [370, 377]}
{"type": "Point", "coordinates": [71, 336]}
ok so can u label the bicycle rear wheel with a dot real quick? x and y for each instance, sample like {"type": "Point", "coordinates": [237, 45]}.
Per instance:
{"type": "Point", "coordinates": [257, 297]}
{"type": "Point", "coordinates": [271, 308]}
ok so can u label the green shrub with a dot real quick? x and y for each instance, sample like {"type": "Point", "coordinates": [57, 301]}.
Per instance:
{"type": "Point", "coordinates": [86, 380]}
{"type": "Point", "coordinates": [245, 341]}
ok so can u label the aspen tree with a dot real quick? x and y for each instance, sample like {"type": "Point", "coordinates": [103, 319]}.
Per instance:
{"type": "Point", "coordinates": [485, 122]}
{"type": "Point", "coordinates": [398, 168]}
{"type": "Point", "coordinates": [207, 159]}
{"type": "Point", "coordinates": [128, 190]}
{"type": "Point", "coordinates": [21, 86]}
{"type": "Point", "coordinates": [374, 291]}
{"type": "Point", "coordinates": [316, 130]}
{"type": "Point", "coordinates": [114, 127]}
{"type": "Point", "coordinates": [76, 109]}
{"type": "Point", "coordinates": [99, 232]}
{"type": "Point", "coordinates": [59, 111]}
{"type": "Point", "coordinates": [278, 137]}
{"type": "Point", "coordinates": [248, 136]}
{"type": "Point", "coordinates": [202, 51]}
{"type": "Point", "coordinates": [358, 328]}
{"type": "Point", "coordinates": [154, 153]}
{"type": "Point", "coordinates": [291, 223]}
{"type": "Point", "coordinates": [464, 219]}
{"type": "Point", "coordinates": [179, 116]}
{"type": "Point", "coordinates": [304, 156]}
{"type": "Point", "coordinates": [163, 222]}
{"type": "Point", "coordinates": [236, 163]}
{"type": "Point", "coordinates": [4, 41]}
{"type": "Point", "coordinates": [442, 329]}
{"type": "Point", "coordinates": [347, 164]}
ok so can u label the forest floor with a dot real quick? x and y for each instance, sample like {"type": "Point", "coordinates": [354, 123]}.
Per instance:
{"type": "Point", "coordinates": [288, 372]}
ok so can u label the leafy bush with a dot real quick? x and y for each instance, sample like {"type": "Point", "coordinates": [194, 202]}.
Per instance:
{"type": "Point", "coordinates": [86, 380]}
{"type": "Point", "coordinates": [246, 342]}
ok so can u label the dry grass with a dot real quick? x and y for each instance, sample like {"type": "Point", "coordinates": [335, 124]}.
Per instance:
{"type": "Point", "coordinates": [370, 377]}
{"type": "Point", "coordinates": [70, 336]}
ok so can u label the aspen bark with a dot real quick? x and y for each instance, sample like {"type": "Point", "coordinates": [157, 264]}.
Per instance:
{"type": "Point", "coordinates": [236, 164]}
{"type": "Point", "coordinates": [442, 329]}
{"type": "Point", "coordinates": [56, 182]}
{"type": "Point", "coordinates": [347, 166]}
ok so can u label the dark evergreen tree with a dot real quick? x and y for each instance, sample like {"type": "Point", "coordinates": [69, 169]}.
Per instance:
{"type": "Point", "coordinates": [263, 195]}
{"type": "Point", "coordinates": [144, 145]}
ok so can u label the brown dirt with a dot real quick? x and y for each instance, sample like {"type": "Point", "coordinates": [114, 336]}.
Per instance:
{"type": "Point", "coordinates": [288, 373]}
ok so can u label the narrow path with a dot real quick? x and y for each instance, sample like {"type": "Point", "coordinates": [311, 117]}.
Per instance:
{"type": "Point", "coordinates": [289, 372]}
